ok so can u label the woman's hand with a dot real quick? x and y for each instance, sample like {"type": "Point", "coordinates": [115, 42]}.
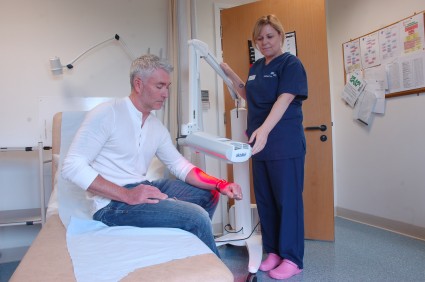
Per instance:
{"type": "Point", "coordinates": [260, 136]}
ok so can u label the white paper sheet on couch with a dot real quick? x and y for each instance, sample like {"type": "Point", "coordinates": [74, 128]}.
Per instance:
{"type": "Point", "coordinates": [102, 253]}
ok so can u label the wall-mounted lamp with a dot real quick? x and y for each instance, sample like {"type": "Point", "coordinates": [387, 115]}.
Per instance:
{"type": "Point", "coordinates": [57, 68]}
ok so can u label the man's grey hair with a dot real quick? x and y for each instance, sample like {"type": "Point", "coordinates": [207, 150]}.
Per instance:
{"type": "Point", "coordinates": [145, 65]}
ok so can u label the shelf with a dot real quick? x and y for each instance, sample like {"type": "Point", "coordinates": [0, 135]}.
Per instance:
{"type": "Point", "coordinates": [20, 217]}
{"type": "Point", "coordinates": [27, 216]}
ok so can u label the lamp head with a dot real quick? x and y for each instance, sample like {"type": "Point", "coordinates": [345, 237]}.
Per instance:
{"type": "Point", "coordinates": [56, 65]}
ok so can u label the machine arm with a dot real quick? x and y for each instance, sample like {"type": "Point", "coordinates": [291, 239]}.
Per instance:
{"type": "Point", "coordinates": [202, 49]}
{"type": "Point", "coordinates": [222, 148]}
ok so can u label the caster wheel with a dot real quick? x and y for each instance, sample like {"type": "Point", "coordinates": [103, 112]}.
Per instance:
{"type": "Point", "coordinates": [252, 277]}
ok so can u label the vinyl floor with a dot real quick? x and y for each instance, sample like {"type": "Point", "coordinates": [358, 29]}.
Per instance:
{"type": "Point", "coordinates": [359, 253]}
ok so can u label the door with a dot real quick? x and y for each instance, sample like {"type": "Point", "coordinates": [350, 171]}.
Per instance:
{"type": "Point", "coordinates": [307, 18]}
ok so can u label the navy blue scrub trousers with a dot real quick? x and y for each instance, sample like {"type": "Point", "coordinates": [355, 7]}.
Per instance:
{"type": "Point", "coordinates": [278, 187]}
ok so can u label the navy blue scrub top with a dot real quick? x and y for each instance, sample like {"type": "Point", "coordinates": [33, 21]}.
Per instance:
{"type": "Point", "coordinates": [284, 74]}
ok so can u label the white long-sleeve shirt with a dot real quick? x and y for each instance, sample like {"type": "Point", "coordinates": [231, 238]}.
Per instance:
{"type": "Point", "coordinates": [111, 142]}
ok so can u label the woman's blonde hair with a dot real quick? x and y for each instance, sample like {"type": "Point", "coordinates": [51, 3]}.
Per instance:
{"type": "Point", "coordinates": [273, 21]}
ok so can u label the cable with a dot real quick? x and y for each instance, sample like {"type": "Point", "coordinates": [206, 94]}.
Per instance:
{"type": "Point", "coordinates": [233, 240]}
{"type": "Point", "coordinates": [115, 37]}
{"type": "Point", "coordinates": [70, 65]}
{"type": "Point", "coordinates": [229, 231]}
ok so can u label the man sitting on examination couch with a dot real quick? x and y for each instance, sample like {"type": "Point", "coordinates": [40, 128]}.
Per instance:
{"type": "Point", "coordinates": [111, 152]}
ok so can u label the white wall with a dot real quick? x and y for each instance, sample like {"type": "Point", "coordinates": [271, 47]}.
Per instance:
{"type": "Point", "coordinates": [379, 170]}
{"type": "Point", "coordinates": [34, 31]}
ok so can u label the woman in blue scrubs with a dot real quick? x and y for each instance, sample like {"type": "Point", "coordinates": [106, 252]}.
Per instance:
{"type": "Point", "coordinates": [275, 89]}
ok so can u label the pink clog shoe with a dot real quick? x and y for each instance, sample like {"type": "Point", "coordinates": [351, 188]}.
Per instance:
{"type": "Point", "coordinates": [270, 262]}
{"type": "Point", "coordinates": [285, 270]}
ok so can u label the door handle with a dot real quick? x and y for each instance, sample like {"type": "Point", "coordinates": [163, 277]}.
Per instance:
{"type": "Point", "coordinates": [321, 127]}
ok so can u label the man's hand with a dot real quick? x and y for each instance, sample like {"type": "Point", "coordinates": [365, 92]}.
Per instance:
{"type": "Point", "coordinates": [144, 194]}
{"type": "Point", "coordinates": [231, 190]}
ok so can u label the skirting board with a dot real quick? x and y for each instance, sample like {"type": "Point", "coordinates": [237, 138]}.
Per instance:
{"type": "Point", "coordinates": [410, 230]}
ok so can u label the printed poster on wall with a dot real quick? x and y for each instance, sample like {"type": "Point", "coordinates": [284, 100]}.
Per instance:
{"type": "Point", "coordinates": [406, 72]}
{"type": "Point", "coordinates": [412, 33]}
{"type": "Point", "coordinates": [389, 42]}
{"type": "Point", "coordinates": [352, 60]}
{"type": "Point", "coordinates": [352, 90]}
{"type": "Point", "coordinates": [290, 43]}
{"type": "Point", "coordinates": [369, 50]}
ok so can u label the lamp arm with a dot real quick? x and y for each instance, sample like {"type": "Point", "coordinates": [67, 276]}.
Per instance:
{"type": "Point", "coordinates": [192, 132]}
{"type": "Point", "coordinates": [202, 48]}
{"type": "Point", "coordinates": [197, 50]}
{"type": "Point", "coordinates": [70, 66]}
{"type": "Point", "coordinates": [116, 37]}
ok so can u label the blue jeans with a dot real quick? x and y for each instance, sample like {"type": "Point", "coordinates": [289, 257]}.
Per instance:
{"type": "Point", "coordinates": [188, 208]}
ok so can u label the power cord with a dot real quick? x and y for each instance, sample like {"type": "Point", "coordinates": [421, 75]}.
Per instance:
{"type": "Point", "coordinates": [231, 231]}
{"type": "Point", "coordinates": [233, 240]}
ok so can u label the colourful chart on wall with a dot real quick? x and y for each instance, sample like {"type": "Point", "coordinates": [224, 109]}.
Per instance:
{"type": "Point", "coordinates": [352, 60]}
{"type": "Point", "coordinates": [369, 46]}
{"type": "Point", "coordinates": [413, 33]}
{"type": "Point", "coordinates": [389, 42]}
